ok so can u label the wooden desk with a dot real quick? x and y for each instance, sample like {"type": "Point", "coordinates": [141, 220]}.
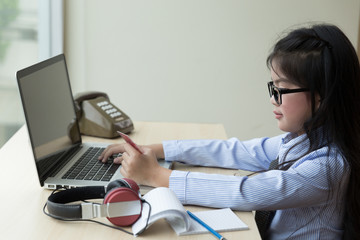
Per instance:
{"type": "Point", "coordinates": [22, 200]}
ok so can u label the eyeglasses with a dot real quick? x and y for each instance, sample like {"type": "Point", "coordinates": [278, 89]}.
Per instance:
{"type": "Point", "coordinates": [277, 92]}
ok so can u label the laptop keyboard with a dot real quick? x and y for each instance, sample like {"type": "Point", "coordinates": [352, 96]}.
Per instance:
{"type": "Point", "coordinates": [88, 167]}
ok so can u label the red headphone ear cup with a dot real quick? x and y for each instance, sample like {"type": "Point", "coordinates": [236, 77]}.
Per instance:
{"type": "Point", "coordinates": [116, 184]}
{"type": "Point", "coordinates": [132, 184]}
{"type": "Point", "coordinates": [122, 182]}
{"type": "Point", "coordinates": [123, 194]}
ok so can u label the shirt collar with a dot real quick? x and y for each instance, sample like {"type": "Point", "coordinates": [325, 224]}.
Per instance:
{"type": "Point", "coordinates": [295, 146]}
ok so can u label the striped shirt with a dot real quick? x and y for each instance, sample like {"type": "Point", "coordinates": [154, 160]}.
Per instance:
{"type": "Point", "coordinates": [306, 197]}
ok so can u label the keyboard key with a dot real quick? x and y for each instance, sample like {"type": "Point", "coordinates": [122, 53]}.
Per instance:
{"type": "Point", "coordinates": [87, 165]}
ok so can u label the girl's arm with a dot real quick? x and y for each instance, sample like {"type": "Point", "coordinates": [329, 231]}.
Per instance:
{"type": "Point", "coordinates": [252, 155]}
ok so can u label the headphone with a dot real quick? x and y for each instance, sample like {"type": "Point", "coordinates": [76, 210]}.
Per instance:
{"type": "Point", "coordinates": [122, 204]}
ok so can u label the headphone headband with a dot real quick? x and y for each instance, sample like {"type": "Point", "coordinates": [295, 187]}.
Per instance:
{"type": "Point", "coordinates": [56, 202]}
{"type": "Point", "coordinates": [122, 203]}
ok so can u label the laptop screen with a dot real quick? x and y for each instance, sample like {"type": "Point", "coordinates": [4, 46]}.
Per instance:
{"type": "Point", "coordinates": [49, 111]}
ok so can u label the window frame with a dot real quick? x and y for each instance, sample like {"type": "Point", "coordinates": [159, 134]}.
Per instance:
{"type": "Point", "coordinates": [51, 28]}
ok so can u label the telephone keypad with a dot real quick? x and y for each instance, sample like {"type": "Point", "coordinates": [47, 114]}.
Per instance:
{"type": "Point", "coordinates": [109, 109]}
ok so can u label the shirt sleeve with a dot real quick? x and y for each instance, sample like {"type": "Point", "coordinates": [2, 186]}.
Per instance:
{"type": "Point", "coordinates": [306, 183]}
{"type": "Point", "coordinates": [251, 155]}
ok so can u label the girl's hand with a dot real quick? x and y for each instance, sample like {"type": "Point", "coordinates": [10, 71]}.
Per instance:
{"type": "Point", "coordinates": [110, 151]}
{"type": "Point", "coordinates": [119, 148]}
{"type": "Point", "coordinates": [143, 168]}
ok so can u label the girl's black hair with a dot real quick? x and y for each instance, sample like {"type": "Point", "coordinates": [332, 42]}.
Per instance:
{"type": "Point", "coordinates": [322, 58]}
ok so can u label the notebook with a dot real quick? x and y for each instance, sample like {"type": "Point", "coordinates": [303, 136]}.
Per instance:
{"type": "Point", "coordinates": [61, 158]}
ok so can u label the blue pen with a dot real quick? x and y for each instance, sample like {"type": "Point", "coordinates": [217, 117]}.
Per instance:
{"type": "Point", "coordinates": [205, 225]}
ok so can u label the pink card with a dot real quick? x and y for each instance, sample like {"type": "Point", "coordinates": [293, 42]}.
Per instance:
{"type": "Point", "coordinates": [129, 141]}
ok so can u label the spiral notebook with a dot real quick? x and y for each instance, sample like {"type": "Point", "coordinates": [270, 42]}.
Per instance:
{"type": "Point", "coordinates": [165, 204]}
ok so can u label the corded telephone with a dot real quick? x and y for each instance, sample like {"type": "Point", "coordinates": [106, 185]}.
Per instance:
{"type": "Point", "coordinates": [99, 117]}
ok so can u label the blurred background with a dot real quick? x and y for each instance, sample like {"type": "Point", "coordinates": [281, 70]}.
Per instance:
{"type": "Point", "coordinates": [158, 60]}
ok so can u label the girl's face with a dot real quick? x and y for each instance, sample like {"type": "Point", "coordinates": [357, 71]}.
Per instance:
{"type": "Point", "coordinates": [295, 108]}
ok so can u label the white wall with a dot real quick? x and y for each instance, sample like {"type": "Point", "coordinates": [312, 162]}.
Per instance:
{"type": "Point", "coordinates": [189, 60]}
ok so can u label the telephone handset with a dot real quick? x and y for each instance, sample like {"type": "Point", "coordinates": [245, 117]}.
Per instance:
{"type": "Point", "coordinates": [99, 117]}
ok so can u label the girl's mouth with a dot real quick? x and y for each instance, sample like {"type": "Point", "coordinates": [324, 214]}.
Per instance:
{"type": "Point", "coordinates": [277, 115]}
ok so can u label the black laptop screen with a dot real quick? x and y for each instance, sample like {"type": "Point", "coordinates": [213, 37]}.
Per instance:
{"type": "Point", "coordinates": [49, 110]}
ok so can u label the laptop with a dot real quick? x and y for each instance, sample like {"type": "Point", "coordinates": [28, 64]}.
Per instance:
{"type": "Point", "coordinates": [61, 158]}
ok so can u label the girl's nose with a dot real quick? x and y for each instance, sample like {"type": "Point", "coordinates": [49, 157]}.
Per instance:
{"type": "Point", "coordinates": [273, 102]}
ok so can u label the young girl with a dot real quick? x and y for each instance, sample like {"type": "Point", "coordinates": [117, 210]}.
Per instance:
{"type": "Point", "coordinates": [311, 193]}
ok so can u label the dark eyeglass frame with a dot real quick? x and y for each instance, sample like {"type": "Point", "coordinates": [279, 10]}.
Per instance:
{"type": "Point", "coordinates": [278, 92]}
